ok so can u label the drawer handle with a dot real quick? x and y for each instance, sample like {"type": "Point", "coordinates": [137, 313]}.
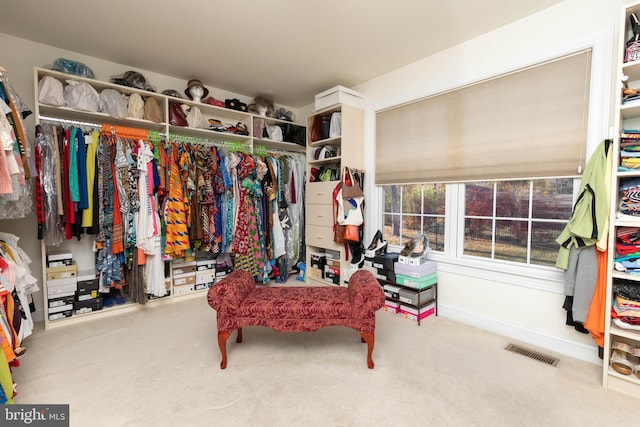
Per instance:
{"type": "Point", "coordinates": [320, 238]}
{"type": "Point", "coordinates": [321, 194]}
{"type": "Point", "coordinates": [320, 215]}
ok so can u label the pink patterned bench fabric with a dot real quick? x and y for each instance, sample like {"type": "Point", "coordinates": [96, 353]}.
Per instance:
{"type": "Point", "coordinates": [239, 302]}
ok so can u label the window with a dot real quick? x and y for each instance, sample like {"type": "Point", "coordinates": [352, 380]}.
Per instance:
{"type": "Point", "coordinates": [516, 221]}
{"type": "Point", "coordinates": [411, 210]}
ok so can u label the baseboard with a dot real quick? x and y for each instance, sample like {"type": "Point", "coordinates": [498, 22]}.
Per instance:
{"type": "Point", "coordinates": [537, 338]}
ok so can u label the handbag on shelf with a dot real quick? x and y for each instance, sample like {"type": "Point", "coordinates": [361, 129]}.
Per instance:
{"type": "Point", "coordinates": [176, 115]}
{"type": "Point", "coordinates": [349, 207]}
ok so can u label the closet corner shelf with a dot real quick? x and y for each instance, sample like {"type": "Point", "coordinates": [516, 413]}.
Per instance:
{"type": "Point", "coordinates": [326, 161]}
{"type": "Point", "coordinates": [628, 174]}
{"type": "Point", "coordinates": [626, 222]}
{"type": "Point", "coordinates": [334, 140]}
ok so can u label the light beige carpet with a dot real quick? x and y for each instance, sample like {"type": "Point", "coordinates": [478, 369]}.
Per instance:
{"type": "Point", "coordinates": [160, 367]}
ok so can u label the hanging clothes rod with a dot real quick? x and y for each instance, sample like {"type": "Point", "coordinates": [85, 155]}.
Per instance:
{"type": "Point", "coordinates": [70, 121]}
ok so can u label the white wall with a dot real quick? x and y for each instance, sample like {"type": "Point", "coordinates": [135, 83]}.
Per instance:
{"type": "Point", "coordinates": [19, 57]}
{"type": "Point", "coordinates": [522, 312]}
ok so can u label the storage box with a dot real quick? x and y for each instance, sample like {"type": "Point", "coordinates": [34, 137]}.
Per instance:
{"type": "Point", "coordinates": [315, 273]}
{"type": "Point", "coordinates": [318, 260]}
{"type": "Point", "coordinates": [201, 286]}
{"type": "Point", "coordinates": [183, 268]}
{"type": "Point", "coordinates": [385, 261]}
{"type": "Point", "coordinates": [412, 312]}
{"type": "Point", "coordinates": [421, 283]}
{"type": "Point", "coordinates": [62, 272]}
{"type": "Point", "coordinates": [61, 286]}
{"type": "Point", "coordinates": [61, 315]}
{"type": "Point", "coordinates": [333, 263]}
{"type": "Point", "coordinates": [205, 276]}
{"type": "Point", "coordinates": [332, 274]}
{"type": "Point", "coordinates": [391, 307]}
{"type": "Point", "coordinates": [88, 288]}
{"type": "Point", "coordinates": [330, 254]}
{"type": "Point", "coordinates": [391, 291]}
{"type": "Point", "coordinates": [88, 306]}
{"type": "Point", "coordinates": [205, 264]}
{"type": "Point", "coordinates": [60, 308]}
{"type": "Point", "coordinates": [183, 289]}
{"type": "Point", "coordinates": [417, 271]}
{"type": "Point", "coordinates": [338, 95]}
{"type": "Point", "coordinates": [184, 279]}
{"type": "Point", "coordinates": [60, 301]}
{"type": "Point", "coordinates": [412, 297]}
{"type": "Point", "coordinates": [58, 258]}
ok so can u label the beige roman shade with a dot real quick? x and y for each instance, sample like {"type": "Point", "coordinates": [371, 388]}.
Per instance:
{"type": "Point", "coordinates": [525, 124]}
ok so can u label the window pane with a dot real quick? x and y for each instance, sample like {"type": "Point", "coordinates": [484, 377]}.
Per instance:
{"type": "Point", "coordinates": [544, 249]}
{"type": "Point", "coordinates": [477, 237]}
{"type": "Point", "coordinates": [391, 198]}
{"type": "Point", "coordinates": [434, 199]}
{"type": "Point", "coordinates": [512, 199]}
{"type": "Point", "coordinates": [511, 241]}
{"type": "Point", "coordinates": [434, 229]}
{"type": "Point", "coordinates": [412, 199]}
{"type": "Point", "coordinates": [479, 199]}
{"type": "Point", "coordinates": [391, 230]}
{"type": "Point", "coordinates": [410, 227]}
{"type": "Point", "coordinates": [552, 198]}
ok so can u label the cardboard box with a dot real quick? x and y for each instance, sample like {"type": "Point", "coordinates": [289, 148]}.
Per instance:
{"type": "Point", "coordinates": [62, 272]}
{"type": "Point", "coordinates": [88, 306]}
{"type": "Point", "coordinates": [391, 291]}
{"type": "Point", "coordinates": [61, 286]}
{"type": "Point", "coordinates": [421, 283]}
{"type": "Point", "coordinates": [201, 286]}
{"type": "Point", "coordinates": [332, 274]}
{"type": "Point", "coordinates": [183, 268]}
{"type": "Point", "coordinates": [183, 289]}
{"type": "Point", "coordinates": [409, 296]}
{"type": "Point", "coordinates": [61, 315]}
{"type": "Point", "coordinates": [87, 289]}
{"type": "Point", "coordinates": [59, 301]}
{"type": "Point", "coordinates": [391, 307]}
{"type": "Point", "coordinates": [416, 271]}
{"type": "Point", "coordinates": [59, 255]}
{"type": "Point", "coordinates": [385, 261]}
{"type": "Point", "coordinates": [413, 313]}
{"type": "Point", "coordinates": [184, 279]}
{"type": "Point", "coordinates": [315, 273]}
{"type": "Point", "coordinates": [61, 308]}
{"type": "Point", "coordinates": [338, 95]}
{"type": "Point", "coordinates": [205, 276]}
{"type": "Point", "coordinates": [318, 260]}
{"type": "Point", "coordinates": [206, 264]}
{"type": "Point", "coordinates": [333, 263]}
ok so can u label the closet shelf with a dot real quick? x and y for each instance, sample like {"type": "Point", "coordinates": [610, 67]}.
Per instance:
{"type": "Point", "coordinates": [622, 275]}
{"type": "Point", "coordinates": [326, 161]}
{"type": "Point", "coordinates": [99, 118]}
{"type": "Point", "coordinates": [616, 330]}
{"type": "Point", "coordinates": [335, 140]}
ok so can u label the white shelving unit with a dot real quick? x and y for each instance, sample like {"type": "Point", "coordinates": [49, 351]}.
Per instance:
{"type": "Point", "coordinates": [626, 117]}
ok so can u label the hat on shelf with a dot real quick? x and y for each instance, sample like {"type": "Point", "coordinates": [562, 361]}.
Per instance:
{"type": "Point", "coordinates": [172, 92]}
{"type": "Point", "coordinates": [194, 82]}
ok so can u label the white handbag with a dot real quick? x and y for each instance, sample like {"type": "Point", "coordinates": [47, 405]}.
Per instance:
{"type": "Point", "coordinates": [81, 96]}
{"type": "Point", "coordinates": [50, 91]}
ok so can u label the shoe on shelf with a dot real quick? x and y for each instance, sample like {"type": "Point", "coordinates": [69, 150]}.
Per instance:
{"type": "Point", "coordinates": [378, 246]}
{"type": "Point", "coordinates": [420, 248]}
{"type": "Point", "coordinates": [357, 255]}
{"type": "Point", "coordinates": [619, 360]}
{"type": "Point", "coordinates": [408, 248]}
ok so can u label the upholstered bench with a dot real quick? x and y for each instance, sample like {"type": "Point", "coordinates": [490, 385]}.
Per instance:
{"type": "Point", "coordinates": [239, 302]}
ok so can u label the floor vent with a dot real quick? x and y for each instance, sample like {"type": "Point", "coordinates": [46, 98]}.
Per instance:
{"type": "Point", "coordinates": [532, 354]}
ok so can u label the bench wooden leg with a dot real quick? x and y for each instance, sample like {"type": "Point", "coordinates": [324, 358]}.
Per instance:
{"type": "Point", "coordinates": [368, 337]}
{"type": "Point", "coordinates": [239, 336]}
{"type": "Point", "coordinates": [222, 342]}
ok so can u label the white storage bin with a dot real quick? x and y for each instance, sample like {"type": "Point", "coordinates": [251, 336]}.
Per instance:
{"type": "Point", "coordinates": [338, 95]}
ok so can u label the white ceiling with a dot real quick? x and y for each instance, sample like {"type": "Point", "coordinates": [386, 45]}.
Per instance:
{"type": "Point", "coordinates": [289, 49]}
